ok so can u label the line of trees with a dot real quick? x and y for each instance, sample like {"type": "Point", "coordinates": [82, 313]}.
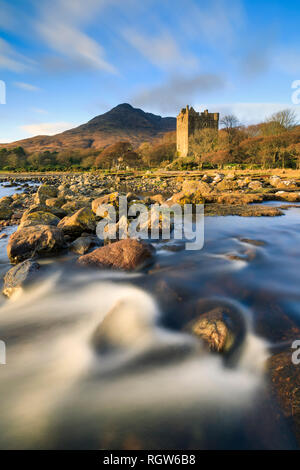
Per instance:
{"type": "Point", "coordinates": [271, 144]}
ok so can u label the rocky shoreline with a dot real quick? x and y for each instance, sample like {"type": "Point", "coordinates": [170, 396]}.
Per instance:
{"type": "Point", "coordinates": [58, 213]}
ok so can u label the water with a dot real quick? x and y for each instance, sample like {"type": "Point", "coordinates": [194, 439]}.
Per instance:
{"type": "Point", "coordinates": [99, 360]}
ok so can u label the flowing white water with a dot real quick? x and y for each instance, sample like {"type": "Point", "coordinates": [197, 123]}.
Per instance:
{"type": "Point", "coordinates": [59, 389]}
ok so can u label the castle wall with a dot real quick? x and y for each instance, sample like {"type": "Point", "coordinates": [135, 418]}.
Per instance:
{"type": "Point", "coordinates": [188, 122]}
{"type": "Point", "coordinates": [182, 134]}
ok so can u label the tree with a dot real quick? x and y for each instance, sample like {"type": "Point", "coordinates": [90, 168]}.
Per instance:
{"type": "Point", "coordinates": [159, 153]}
{"type": "Point", "coordinates": [230, 123]}
{"type": "Point", "coordinates": [113, 154]}
{"type": "Point", "coordinates": [202, 142]}
{"type": "Point", "coordinates": [286, 119]}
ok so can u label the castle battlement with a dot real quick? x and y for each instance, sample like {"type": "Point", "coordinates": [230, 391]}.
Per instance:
{"type": "Point", "coordinates": [188, 122]}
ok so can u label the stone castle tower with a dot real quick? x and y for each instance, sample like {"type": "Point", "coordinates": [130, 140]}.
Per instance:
{"type": "Point", "coordinates": [188, 122]}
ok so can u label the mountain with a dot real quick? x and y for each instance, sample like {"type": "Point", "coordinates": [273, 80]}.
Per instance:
{"type": "Point", "coordinates": [120, 123]}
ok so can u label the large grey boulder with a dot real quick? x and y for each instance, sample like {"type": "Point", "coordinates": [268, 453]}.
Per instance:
{"type": "Point", "coordinates": [18, 276]}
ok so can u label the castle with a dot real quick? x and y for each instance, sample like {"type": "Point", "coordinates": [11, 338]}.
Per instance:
{"type": "Point", "coordinates": [188, 122]}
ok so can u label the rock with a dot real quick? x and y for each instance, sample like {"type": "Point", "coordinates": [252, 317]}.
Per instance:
{"type": "Point", "coordinates": [212, 329]}
{"type": "Point", "coordinates": [83, 244]}
{"type": "Point", "coordinates": [74, 205]}
{"type": "Point", "coordinates": [242, 183]}
{"type": "Point", "coordinates": [250, 241]}
{"type": "Point", "coordinates": [254, 210]}
{"type": "Point", "coordinates": [5, 208]}
{"type": "Point", "coordinates": [234, 198]}
{"type": "Point", "coordinates": [128, 254]}
{"type": "Point", "coordinates": [41, 240]}
{"type": "Point", "coordinates": [218, 177]}
{"type": "Point", "coordinates": [255, 185]}
{"type": "Point", "coordinates": [207, 179]}
{"type": "Point", "coordinates": [285, 383]}
{"type": "Point", "coordinates": [236, 257]}
{"type": "Point", "coordinates": [158, 198]}
{"type": "Point", "coordinates": [112, 198]}
{"type": "Point", "coordinates": [38, 218]}
{"type": "Point", "coordinates": [288, 184]}
{"type": "Point", "coordinates": [190, 187]}
{"type": "Point", "coordinates": [276, 182]}
{"type": "Point", "coordinates": [287, 196]}
{"type": "Point", "coordinates": [19, 275]}
{"type": "Point", "coordinates": [227, 184]}
{"type": "Point", "coordinates": [220, 325]}
{"type": "Point", "coordinates": [45, 192]}
{"type": "Point", "coordinates": [43, 208]}
{"type": "Point", "coordinates": [186, 198]}
{"type": "Point", "coordinates": [55, 202]}
{"type": "Point", "coordinates": [82, 221]}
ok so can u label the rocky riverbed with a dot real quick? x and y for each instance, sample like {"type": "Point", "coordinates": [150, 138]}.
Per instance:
{"type": "Point", "coordinates": [235, 301]}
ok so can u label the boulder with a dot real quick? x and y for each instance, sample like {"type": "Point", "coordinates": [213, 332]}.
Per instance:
{"type": "Point", "coordinates": [5, 208]}
{"type": "Point", "coordinates": [227, 184]}
{"type": "Point", "coordinates": [186, 198]}
{"type": "Point", "coordinates": [83, 244]}
{"type": "Point", "coordinates": [207, 178]}
{"type": "Point", "coordinates": [128, 255]}
{"type": "Point", "coordinates": [255, 185]}
{"type": "Point", "coordinates": [220, 325]}
{"type": "Point", "coordinates": [112, 198]}
{"type": "Point", "coordinates": [190, 186]}
{"type": "Point", "coordinates": [40, 240]}
{"type": "Point", "coordinates": [218, 177]}
{"type": "Point", "coordinates": [287, 196]}
{"type": "Point", "coordinates": [45, 192]}
{"type": "Point", "coordinates": [38, 218]}
{"type": "Point", "coordinates": [157, 198]}
{"type": "Point", "coordinates": [55, 202]}
{"type": "Point", "coordinates": [18, 276]}
{"type": "Point", "coordinates": [235, 198]}
{"type": "Point", "coordinates": [287, 184]}
{"type": "Point", "coordinates": [212, 329]}
{"type": "Point", "coordinates": [82, 221]}
{"type": "Point", "coordinates": [74, 205]}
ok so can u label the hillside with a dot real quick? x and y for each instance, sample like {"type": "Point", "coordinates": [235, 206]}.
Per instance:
{"type": "Point", "coordinates": [120, 123]}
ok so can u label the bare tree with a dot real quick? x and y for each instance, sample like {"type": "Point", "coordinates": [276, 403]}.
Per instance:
{"type": "Point", "coordinates": [286, 118]}
{"type": "Point", "coordinates": [230, 124]}
{"type": "Point", "coordinates": [229, 121]}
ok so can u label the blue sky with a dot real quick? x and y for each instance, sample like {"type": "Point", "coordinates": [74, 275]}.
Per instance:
{"type": "Point", "coordinates": [65, 61]}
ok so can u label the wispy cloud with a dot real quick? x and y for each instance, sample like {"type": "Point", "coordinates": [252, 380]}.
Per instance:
{"type": "Point", "coordinates": [177, 91]}
{"type": "Point", "coordinates": [161, 50]}
{"type": "Point", "coordinates": [216, 22]}
{"type": "Point", "coordinates": [11, 60]}
{"type": "Point", "coordinates": [26, 86]}
{"type": "Point", "coordinates": [59, 24]}
{"type": "Point", "coordinates": [8, 16]}
{"type": "Point", "coordinates": [47, 128]}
